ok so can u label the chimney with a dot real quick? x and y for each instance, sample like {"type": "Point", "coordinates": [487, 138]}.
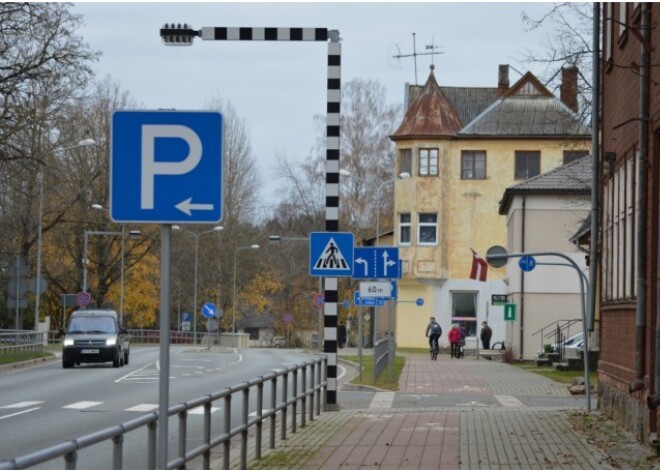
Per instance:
{"type": "Point", "coordinates": [568, 89]}
{"type": "Point", "coordinates": [503, 79]}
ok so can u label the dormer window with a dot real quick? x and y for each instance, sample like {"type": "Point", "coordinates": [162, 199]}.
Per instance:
{"type": "Point", "coordinates": [428, 162]}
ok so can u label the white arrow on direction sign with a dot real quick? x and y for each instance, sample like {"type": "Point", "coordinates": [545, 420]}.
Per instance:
{"type": "Point", "coordinates": [187, 206]}
{"type": "Point", "coordinates": [387, 262]}
{"type": "Point", "coordinates": [365, 263]}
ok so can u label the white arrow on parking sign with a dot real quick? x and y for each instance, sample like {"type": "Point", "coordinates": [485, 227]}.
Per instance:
{"type": "Point", "coordinates": [187, 206]}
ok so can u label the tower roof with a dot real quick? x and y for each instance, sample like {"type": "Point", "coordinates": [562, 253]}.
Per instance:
{"type": "Point", "coordinates": [430, 115]}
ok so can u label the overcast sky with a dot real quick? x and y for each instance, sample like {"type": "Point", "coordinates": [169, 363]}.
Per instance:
{"type": "Point", "coordinates": [278, 88]}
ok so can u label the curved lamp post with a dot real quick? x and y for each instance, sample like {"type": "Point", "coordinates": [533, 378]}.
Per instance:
{"type": "Point", "coordinates": [197, 236]}
{"type": "Point", "coordinates": [233, 303]}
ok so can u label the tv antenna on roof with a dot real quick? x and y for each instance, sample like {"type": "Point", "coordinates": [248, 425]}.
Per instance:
{"type": "Point", "coordinates": [432, 48]}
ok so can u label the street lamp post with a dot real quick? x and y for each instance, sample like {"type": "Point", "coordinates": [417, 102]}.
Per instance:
{"type": "Point", "coordinates": [40, 180]}
{"type": "Point", "coordinates": [196, 236]}
{"type": "Point", "coordinates": [233, 303]}
{"type": "Point", "coordinates": [121, 276]}
{"type": "Point", "coordinates": [401, 176]}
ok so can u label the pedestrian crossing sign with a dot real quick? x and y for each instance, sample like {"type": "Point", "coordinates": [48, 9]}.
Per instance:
{"type": "Point", "coordinates": [331, 254]}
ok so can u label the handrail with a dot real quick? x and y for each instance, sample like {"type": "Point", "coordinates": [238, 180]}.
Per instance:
{"type": "Point", "coordinates": [314, 389]}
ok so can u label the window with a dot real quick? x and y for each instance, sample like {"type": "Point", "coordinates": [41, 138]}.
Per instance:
{"type": "Point", "coordinates": [464, 311]}
{"type": "Point", "coordinates": [405, 229]}
{"type": "Point", "coordinates": [253, 331]}
{"type": "Point", "coordinates": [623, 18]}
{"type": "Point", "coordinates": [473, 164]}
{"type": "Point", "coordinates": [427, 233]}
{"type": "Point", "coordinates": [528, 164]}
{"type": "Point", "coordinates": [572, 155]}
{"type": "Point", "coordinates": [607, 34]}
{"type": "Point", "coordinates": [405, 161]}
{"type": "Point", "coordinates": [428, 161]}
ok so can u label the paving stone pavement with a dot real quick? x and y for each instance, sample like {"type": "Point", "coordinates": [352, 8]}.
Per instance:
{"type": "Point", "coordinates": [502, 418]}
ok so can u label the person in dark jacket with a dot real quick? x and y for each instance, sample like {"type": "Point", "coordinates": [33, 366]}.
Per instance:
{"type": "Point", "coordinates": [485, 335]}
{"type": "Point", "coordinates": [433, 332]}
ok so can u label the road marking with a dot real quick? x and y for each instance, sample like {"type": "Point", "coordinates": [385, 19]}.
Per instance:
{"type": "Point", "coordinates": [382, 400]}
{"type": "Point", "coordinates": [22, 405]}
{"type": "Point", "coordinates": [509, 401]}
{"type": "Point", "coordinates": [19, 413]}
{"type": "Point", "coordinates": [132, 373]}
{"type": "Point", "coordinates": [82, 405]}
{"type": "Point", "coordinates": [142, 408]}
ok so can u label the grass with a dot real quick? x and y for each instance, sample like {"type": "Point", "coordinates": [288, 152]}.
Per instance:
{"type": "Point", "coordinates": [388, 380]}
{"type": "Point", "coordinates": [7, 358]}
{"type": "Point", "coordinates": [556, 375]}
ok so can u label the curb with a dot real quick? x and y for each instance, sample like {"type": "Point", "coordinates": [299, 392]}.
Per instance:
{"type": "Point", "coordinates": [27, 363]}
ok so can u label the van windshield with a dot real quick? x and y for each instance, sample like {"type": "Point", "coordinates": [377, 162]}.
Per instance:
{"type": "Point", "coordinates": [92, 325]}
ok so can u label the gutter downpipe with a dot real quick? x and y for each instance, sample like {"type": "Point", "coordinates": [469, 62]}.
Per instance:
{"type": "Point", "coordinates": [642, 175]}
{"type": "Point", "coordinates": [522, 281]}
{"type": "Point", "coordinates": [595, 172]}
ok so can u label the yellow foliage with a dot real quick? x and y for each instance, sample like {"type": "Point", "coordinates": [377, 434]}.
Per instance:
{"type": "Point", "coordinates": [141, 293]}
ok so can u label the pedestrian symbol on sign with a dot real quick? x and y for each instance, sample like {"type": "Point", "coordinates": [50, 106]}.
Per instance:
{"type": "Point", "coordinates": [331, 258]}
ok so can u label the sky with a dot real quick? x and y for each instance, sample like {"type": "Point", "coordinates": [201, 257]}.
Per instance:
{"type": "Point", "coordinates": [277, 88]}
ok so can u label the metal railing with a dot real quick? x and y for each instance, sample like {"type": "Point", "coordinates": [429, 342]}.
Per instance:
{"type": "Point", "coordinates": [301, 405]}
{"type": "Point", "coordinates": [381, 356]}
{"type": "Point", "coordinates": [15, 342]}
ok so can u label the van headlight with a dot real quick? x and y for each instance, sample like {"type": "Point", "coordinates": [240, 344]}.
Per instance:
{"type": "Point", "coordinates": [68, 342]}
{"type": "Point", "coordinates": [111, 341]}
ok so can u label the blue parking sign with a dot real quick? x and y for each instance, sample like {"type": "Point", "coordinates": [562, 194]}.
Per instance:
{"type": "Point", "coordinates": [166, 167]}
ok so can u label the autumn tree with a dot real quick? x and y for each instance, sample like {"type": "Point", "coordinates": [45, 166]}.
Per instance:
{"type": "Point", "coordinates": [44, 65]}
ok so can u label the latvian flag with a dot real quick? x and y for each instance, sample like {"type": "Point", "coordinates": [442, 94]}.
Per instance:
{"type": "Point", "coordinates": [479, 267]}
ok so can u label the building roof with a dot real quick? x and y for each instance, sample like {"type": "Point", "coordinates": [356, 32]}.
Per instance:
{"type": "Point", "coordinates": [573, 178]}
{"type": "Point", "coordinates": [525, 110]}
{"type": "Point", "coordinates": [430, 115]}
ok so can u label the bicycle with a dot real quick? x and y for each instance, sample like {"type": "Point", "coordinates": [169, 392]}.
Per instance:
{"type": "Point", "coordinates": [434, 349]}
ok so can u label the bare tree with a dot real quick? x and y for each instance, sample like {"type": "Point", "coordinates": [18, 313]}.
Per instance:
{"type": "Point", "coordinates": [569, 33]}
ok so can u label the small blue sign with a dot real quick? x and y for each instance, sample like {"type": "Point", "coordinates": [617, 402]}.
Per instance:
{"type": "Point", "coordinates": [186, 317]}
{"type": "Point", "coordinates": [331, 254]}
{"type": "Point", "coordinates": [370, 302]}
{"type": "Point", "coordinates": [419, 301]}
{"type": "Point", "coordinates": [209, 310]}
{"type": "Point", "coordinates": [166, 167]}
{"type": "Point", "coordinates": [347, 303]}
{"type": "Point", "coordinates": [376, 263]}
{"type": "Point", "coordinates": [527, 263]}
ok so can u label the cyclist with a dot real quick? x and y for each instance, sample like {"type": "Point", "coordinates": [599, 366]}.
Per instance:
{"type": "Point", "coordinates": [433, 332]}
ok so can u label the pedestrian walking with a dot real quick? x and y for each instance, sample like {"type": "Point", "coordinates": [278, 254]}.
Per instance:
{"type": "Point", "coordinates": [454, 337]}
{"type": "Point", "coordinates": [485, 335]}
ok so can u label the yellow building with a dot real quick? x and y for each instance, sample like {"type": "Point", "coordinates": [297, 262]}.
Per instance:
{"type": "Point", "coordinates": [463, 146]}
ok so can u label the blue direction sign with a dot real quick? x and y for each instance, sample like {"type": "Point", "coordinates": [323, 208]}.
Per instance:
{"type": "Point", "coordinates": [166, 167]}
{"type": "Point", "coordinates": [527, 263]}
{"type": "Point", "coordinates": [376, 263]}
{"type": "Point", "coordinates": [331, 254]}
{"type": "Point", "coordinates": [209, 310]}
{"type": "Point", "coordinates": [359, 301]}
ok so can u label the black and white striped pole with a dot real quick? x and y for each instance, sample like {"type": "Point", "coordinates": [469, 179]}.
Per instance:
{"type": "Point", "coordinates": [183, 35]}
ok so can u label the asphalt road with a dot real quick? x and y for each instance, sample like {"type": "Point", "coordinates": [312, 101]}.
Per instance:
{"type": "Point", "coordinates": [46, 405]}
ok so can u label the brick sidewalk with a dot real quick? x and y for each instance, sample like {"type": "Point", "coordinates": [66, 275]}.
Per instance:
{"type": "Point", "coordinates": [497, 434]}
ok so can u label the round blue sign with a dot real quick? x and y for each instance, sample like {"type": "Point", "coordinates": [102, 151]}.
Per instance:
{"type": "Point", "coordinates": [419, 301]}
{"type": "Point", "coordinates": [527, 263]}
{"type": "Point", "coordinates": [209, 310]}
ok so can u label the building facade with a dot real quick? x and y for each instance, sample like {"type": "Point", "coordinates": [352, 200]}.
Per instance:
{"type": "Point", "coordinates": [629, 308]}
{"type": "Point", "coordinates": [463, 146]}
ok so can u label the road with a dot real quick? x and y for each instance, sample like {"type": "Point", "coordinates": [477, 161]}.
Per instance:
{"type": "Point", "coordinates": [46, 405]}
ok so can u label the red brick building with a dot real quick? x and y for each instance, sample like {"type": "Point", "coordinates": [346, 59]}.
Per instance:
{"type": "Point", "coordinates": [628, 308]}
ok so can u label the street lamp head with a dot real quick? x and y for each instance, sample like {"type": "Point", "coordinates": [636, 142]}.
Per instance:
{"type": "Point", "coordinates": [274, 238]}
{"type": "Point", "coordinates": [178, 34]}
{"type": "Point", "coordinates": [344, 173]}
{"type": "Point", "coordinates": [135, 233]}
{"type": "Point", "coordinates": [218, 228]}
{"type": "Point", "coordinates": [87, 142]}
{"type": "Point", "coordinates": [176, 227]}
{"type": "Point", "coordinates": [254, 246]}
{"type": "Point", "coordinates": [404, 175]}
{"type": "Point", "coordinates": [98, 206]}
